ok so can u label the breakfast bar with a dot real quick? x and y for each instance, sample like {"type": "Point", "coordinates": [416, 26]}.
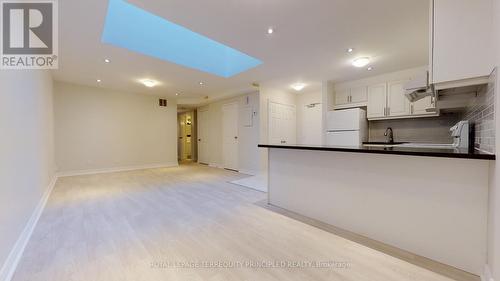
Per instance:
{"type": "Point", "coordinates": [430, 202]}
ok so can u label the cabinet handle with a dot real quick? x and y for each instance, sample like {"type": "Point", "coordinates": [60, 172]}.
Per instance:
{"type": "Point", "coordinates": [411, 109]}
{"type": "Point", "coordinates": [385, 111]}
{"type": "Point", "coordinates": [388, 111]}
{"type": "Point", "coordinates": [347, 98]}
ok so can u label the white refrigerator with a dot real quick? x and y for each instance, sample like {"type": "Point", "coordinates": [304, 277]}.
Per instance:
{"type": "Point", "coordinates": [347, 127]}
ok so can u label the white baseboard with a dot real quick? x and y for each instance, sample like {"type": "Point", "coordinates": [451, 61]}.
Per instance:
{"type": "Point", "coordinates": [249, 172]}
{"type": "Point", "coordinates": [246, 172]}
{"type": "Point", "coordinates": [116, 169]}
{"type": "Point", "coordinates": [215, 165]}
{"type": "Point", "coordinates": [10, 265]}
{"type": "Point", "coordinates": [486, 276]}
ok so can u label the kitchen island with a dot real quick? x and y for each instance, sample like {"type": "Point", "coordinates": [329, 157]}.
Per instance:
{"type": "Point", "coordinates": [430, 202]}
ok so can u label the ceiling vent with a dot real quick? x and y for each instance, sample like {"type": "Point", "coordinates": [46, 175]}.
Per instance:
{"type": "Point", "coordinates": [162, 102]}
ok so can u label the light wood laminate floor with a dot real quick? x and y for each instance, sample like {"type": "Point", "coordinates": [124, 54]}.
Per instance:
{"type": "Point", "coordinates": [131, 225]}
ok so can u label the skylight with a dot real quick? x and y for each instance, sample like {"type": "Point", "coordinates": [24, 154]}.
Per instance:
{"type": "Point", "coordinates": [137, 30]}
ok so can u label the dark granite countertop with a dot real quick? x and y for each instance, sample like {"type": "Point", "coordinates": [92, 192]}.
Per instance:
{"type": "Point", "coordinates": [398, 150]}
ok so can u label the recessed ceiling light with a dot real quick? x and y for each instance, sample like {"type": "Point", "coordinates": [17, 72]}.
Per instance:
{"type": "Point", "coordinates": [176, 94]}
{"type": "Point", "coordinates": [201, 83]}
{"type": "Point", "coordinates": [361, 62]}
{"type": "Point", "coordinates": [107, 60]}
{"type": "Point", "coordinates": [149, 83]}
{"type": "Point", "coordinates": [98, 80]}
{"type": "Point", "coordinates": [370, 68]}
{"type": "Point", "coordinates": [270, 30]}
{"type": "Point", "coordinates": [298, 86]}
{"type": "Point", "coordinates": [350, 50]}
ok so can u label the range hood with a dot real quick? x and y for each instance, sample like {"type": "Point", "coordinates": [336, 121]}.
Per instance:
{"type": "Point", "coordinates": [419, 87]}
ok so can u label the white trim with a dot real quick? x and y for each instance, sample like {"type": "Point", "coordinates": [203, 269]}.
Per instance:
{"type": "Point", "coordinates": [462, 83]}
{"type": "Point", "coordinates": [248, 172]}
{"type": "Point", "coordinates": [486, 275]}
{"type": "Point", "coordinates": [117, 169]}
{"type": "Point", "coordinates": [10, 265]}
{"type": "Point", "coordinates": [215, 165]}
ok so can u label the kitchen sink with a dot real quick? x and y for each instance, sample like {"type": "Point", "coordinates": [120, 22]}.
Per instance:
{"type": "Point", "coordinates": [383, 144]}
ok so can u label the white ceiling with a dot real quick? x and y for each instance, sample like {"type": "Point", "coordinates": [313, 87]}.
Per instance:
{"type": "Point", "coordinates": [308, 45]}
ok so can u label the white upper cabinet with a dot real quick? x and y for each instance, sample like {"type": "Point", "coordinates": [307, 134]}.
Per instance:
{"type": "Point", "coordinates": [377, 101]}
{"type": "Point", "coordinates": [388, 101]}
{"type": "Point", "coordinates": [419, 107]}
{"type": "Point", "coordinates": [350, 97]}
{"type": "Point", "coordinates": [461, 40]}
{"type": "Point", "coordinates": [397, 103]}
{"type": "Point", "coordinates": [359, 94]}
{"type": "Point", "coordinates": [342, 96]}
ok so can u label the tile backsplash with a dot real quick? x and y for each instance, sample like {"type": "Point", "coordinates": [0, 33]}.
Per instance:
{"type": "Point", "coordinates": [426, 130]}
{"type": "Point", "coordinates": [482, 116]}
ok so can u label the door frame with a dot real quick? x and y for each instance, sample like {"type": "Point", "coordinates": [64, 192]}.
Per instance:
{"type": "Point", "coordinates": [206, 138]}
{"type": "Point", "coordinates": [234, 103]}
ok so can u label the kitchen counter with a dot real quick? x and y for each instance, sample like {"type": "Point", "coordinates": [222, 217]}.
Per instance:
{"type": "Point", "coordinates": [398, 150]}
{"type": "Point", "coordinates": [429, 202]}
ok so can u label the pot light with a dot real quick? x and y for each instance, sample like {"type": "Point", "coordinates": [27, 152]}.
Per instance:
{"type": "Point", "coordinates": [176, 94]}
{"type": "Point", "coordinates": [107, 60]}
{"type": "Point", "coordinates": [361, 62]}
{"type": "Point", "coordinates": [98, 80]}
{"type": "Point", "coordinates": [270, 30]}
{"type": "Point", "coordinates": [298, 86]}
{"type": "Point", "coordinates": [149, 83]}
{"type": "Point", "coordinates": [201, 83]}
{"type": "Point", "coordinates": [370, 68]}
{"type": "Point", "coordinates": [350, 50]}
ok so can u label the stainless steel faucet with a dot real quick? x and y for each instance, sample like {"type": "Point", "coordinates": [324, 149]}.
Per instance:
{"type": "Point", "coordinates": [390, 135]}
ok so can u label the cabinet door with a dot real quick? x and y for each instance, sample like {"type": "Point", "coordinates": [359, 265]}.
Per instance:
{"type": "Point", "coordinates": [358, 95]}
{"type": "Point", "coordinates": [420, 106]}
{"type": "Point", "coordinates": [342, 96]}
{"type": "Point", "coordinates": [397, 103]}
{"type": "Point", "coordinates": [377, 100]}
{"type": "Point", "coordinates": [462, 41]}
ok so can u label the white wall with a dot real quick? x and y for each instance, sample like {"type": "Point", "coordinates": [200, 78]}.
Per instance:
{"type": "Point", "coordinates": [98, 129]}
{"type": "Point", "coordinates": [269, 93]}
{"type": "Point", "coordinates": [27, 154]}
{"type": "Point", "coordinates": [248, 160]}
{"type": "Point", "coordinates": [382, 78]}
{"type": "Point", "coordinates": [494, 196]}
{"type": "Point", "coordinates": [309, 120]}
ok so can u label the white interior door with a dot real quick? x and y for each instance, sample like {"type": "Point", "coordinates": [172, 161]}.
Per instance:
{"type": "Point", "coordinates": [203, 137]}
{"type": "Point", "coordinates": [282, 123]}
{"type": "Point", "coordinates": [230, 135]}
